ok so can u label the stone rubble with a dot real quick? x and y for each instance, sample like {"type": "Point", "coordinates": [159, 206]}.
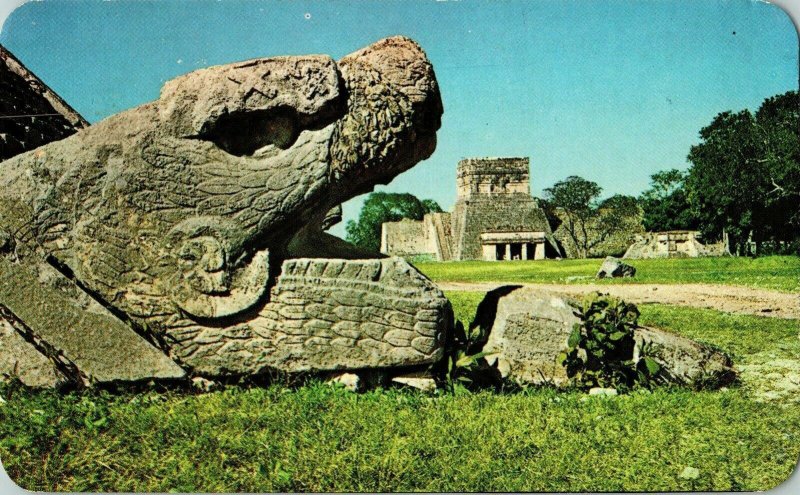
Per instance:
{"type": "Point", "coordinates": [614, 268]}
{"type": "Point", "coordinates": [349, 381]}
{"type": "Point", "coordinates": [528, 328]}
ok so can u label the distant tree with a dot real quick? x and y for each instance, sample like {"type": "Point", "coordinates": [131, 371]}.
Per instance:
{"type": "Point", "coordinates": [431, 206]}
{"type": "Point", "coordinates": [777, 123]}
{"type": "Point", "coordinates": [615, 211]}
{"type": "Point", "coordinates": [619, 213]}
{"type": "Point", "coordinates": [587, 221]}
{"type": "Point", "coordinates": [575, 196]}
{"type": "Point", "coordinates": [745, 174]}
{"type": "Point", "coordinates": [666, 205]}
{"type": "Point", "coordinates": [381, 207]}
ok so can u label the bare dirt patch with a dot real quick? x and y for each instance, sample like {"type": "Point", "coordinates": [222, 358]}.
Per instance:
{"type": "Point", "coordinates": [727, 298]}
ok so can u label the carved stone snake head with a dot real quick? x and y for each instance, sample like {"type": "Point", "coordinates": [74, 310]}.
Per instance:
{"type": "Point", "coordinates": [289, 139]}
{"type": "Point", "coordinates": [198, 195]}
{"type": "Point", "coordinates": [180, 213]}
{"type": "Point", "coordinates": [367, 118]}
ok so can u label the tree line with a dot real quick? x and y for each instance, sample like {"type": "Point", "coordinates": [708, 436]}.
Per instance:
{"type": "Point", "coordinates": [742, 183]}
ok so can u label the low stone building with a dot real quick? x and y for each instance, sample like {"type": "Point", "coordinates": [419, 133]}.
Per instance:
{"type": "Point", "coordinates": [673, 244]}
{"type": "Point", "coordinates": [33, 115]}
{"type": "Point", "coordinates": [494, 218]}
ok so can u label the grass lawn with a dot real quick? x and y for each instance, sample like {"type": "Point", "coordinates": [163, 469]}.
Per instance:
{"type": "Point", "coordinates": [318, 438]}
{"type": "Point", "coordinates": [770, 272]}
{"type": "Point", "coordinates": [321, 438]}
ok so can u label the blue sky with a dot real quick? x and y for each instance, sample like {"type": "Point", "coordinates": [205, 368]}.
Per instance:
{"type": "Point", "coordinates": [609, 90]}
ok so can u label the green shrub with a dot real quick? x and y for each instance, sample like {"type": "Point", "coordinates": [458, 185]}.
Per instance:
{"type": "Point", "coordinates": [462, 360]}
{"type": "Point", "coordinates": [600, 349]}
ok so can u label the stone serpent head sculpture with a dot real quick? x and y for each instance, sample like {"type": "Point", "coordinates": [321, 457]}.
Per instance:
{"type": "Point", "coordinates": [185, 217]}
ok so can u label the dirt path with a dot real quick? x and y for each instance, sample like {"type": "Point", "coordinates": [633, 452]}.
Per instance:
{"type": "Point", "coordinates": [727, 298]}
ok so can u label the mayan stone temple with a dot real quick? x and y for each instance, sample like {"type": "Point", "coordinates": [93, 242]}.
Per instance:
{"type": "Point", "coordinates": [494, 218]}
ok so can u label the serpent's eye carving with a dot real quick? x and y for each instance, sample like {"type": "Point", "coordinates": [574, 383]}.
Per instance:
{"type": "Point", "coordinates": [244, 133]}
{"type": "Point", "coordinates": [207, 288]}
{"type": "Point", "coordinates": [202, 261]}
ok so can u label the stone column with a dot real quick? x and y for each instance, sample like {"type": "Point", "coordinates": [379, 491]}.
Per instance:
{"type": "Point", "coordinates": [539, 251]}
{"type": "Point", "coordinates": [489, 252]}
{"type": "Point", "coordinates": [524, 251]}
{"type": "Point", "coordinates": [508, 252]}
{"type": "Point", "coordinates": [384, 239]}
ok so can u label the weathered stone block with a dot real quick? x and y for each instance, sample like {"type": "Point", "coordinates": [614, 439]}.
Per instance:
{"type": "Point", "coordinates": [20, 359]}
{"type": "Point", "coordinates": [400, 338]}
{"type": "Point", "coordinates": [100, 347]}
{"type": "Point", "coordinates": [528, 328]}
{"type": "Point", "coordinates": [614, 268]}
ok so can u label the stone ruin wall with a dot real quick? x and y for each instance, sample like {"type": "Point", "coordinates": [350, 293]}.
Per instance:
{"type": "Point", "coordinates": [439, 226]}
{"type": "Point", "coordinates": [714, 249]}
{"type": "Point", "coordinates": [406, 238]}
{"type": "Point", "coordinates": [493, 196]}
{"type": "Point", "coordinates": [37, 115]}
{"type": "Point", "coordinates": [685, 244]}
{"type": "Point", "coordinates": [492, 176]}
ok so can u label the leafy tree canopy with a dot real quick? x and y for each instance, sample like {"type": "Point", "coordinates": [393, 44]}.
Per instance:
{"type": "Point", "coordinates": [589, 221]}
{"type": "Point", "coordinates": [381, 207]}
{"type": "Point", "coordinates": [666, 204]}
{"type": "Point", "coordinates": [745, 174]}
{"type": "Point", "coordinates": [575, 195]}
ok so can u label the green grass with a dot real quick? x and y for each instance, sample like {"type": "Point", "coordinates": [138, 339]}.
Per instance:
{"type": "Point", "coordinates": [319, 438]}
{"type": "Point", "coordinates": [770, 272]}
{"type": "Point", "coordinates": [322, 438]}
{"type": "Point", "coordinates": [739, 335]}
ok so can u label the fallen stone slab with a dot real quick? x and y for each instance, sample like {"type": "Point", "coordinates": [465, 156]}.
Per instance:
{"type": "Point", "coordinates": [528, 328]}
{"type": "Point", "coordinates": [418, 380]}
{"type": "Point", "coordinates": [88, 342]}
{"type": "Point", "coordinates": [614, 268]}
{"type": "Point", "coordinates": [684, 361]}
{"type": "Point", "coordinates": [20, 359]}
